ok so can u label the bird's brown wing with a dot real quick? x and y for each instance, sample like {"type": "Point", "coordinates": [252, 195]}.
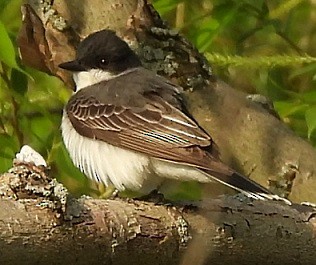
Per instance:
{"type": "Point", "coordinates": [157, 129]}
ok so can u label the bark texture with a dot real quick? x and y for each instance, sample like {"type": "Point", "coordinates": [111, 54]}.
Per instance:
{"type": "Point", "coordinates": [41, 223]}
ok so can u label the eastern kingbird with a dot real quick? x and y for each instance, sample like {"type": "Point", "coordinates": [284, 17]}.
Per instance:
{"type": "Point", "coordinates": [127, 127]}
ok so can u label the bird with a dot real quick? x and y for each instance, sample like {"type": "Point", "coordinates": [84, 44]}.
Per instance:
{"type": "Point", "coordinates": [127, 127]}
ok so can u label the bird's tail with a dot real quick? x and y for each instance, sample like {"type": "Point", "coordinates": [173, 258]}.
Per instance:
{"type": "Point", "coordinates": [245, 185]}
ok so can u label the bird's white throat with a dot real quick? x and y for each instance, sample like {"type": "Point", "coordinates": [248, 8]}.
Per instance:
{"type": "Point", "coordinates": [94, 76]}
{"type": "Point", "coordinates": [91, 77]}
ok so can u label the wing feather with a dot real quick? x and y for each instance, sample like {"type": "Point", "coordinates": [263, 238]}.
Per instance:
{"type": "Point", "coordinates": [149, 119]}
{"type": "Point", "coordinates": [166, 131]}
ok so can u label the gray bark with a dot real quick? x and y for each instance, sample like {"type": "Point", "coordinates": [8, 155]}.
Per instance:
{"type": "Point", "coordinates": [41, 223]}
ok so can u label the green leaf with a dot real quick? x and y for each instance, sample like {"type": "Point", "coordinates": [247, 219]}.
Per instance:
{"type": "Point", "coordinates": [308, 97]}
{"type": "Point", "coordinates": [286, 109]}
{"type": "Point", "coordinates": [18, 81]}
{"type": "Point", "coordinates": [165, 6]}
{"type": "Point", "coordinates": [310, 117]}
{"type": "Point", "coordinates": [9, 147]}
{"type": "Point", "coordinates": [207, 31]}
{"type": "Point", "coordinates": [3, 4]}
{"type": "Point", "coordinates": [222, 16]}
{"type": "Point", "coordinates": [10, 15]}
{"type": "Point", "coordinates": [7, 52]}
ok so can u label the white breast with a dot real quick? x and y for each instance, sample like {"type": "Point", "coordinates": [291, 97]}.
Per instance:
{"type": "Point", "coordinates": [109, 164]}
{"type": "Point", "coordinates": [120, 167]}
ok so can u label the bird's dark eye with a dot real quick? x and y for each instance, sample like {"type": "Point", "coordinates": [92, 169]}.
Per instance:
{"type": "Point", "coordinates": [103, 62]}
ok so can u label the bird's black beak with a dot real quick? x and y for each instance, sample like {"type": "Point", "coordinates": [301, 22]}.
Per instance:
{"type": "Point", "coordinates": [74, 66]}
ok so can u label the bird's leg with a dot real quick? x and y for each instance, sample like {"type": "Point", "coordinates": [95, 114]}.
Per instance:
{"type": "Point", "coordinates": [107, 192]}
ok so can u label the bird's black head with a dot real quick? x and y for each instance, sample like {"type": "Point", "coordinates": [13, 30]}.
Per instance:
{"type": "Point", "coordinates": [103, 50]}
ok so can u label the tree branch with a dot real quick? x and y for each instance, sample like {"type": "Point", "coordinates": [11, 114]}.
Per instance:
{"type": "Point", "coordinates": [41, 222]}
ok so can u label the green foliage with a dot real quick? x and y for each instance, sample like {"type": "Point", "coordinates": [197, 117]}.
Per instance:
{"type": "Point", "coordinates": [263, 46]}
{"type": "Point", "coordinates": [31, 105]}
{"type": "Point", "coordinates": [7, 52]}
{"type": "Point", "coordinates": [310, 116]}
{"type": "Point", "coordinates": [260, 62]}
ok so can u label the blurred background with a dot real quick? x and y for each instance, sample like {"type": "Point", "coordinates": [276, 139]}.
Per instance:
{"type": "Point", "coordinates": [265, 47]}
